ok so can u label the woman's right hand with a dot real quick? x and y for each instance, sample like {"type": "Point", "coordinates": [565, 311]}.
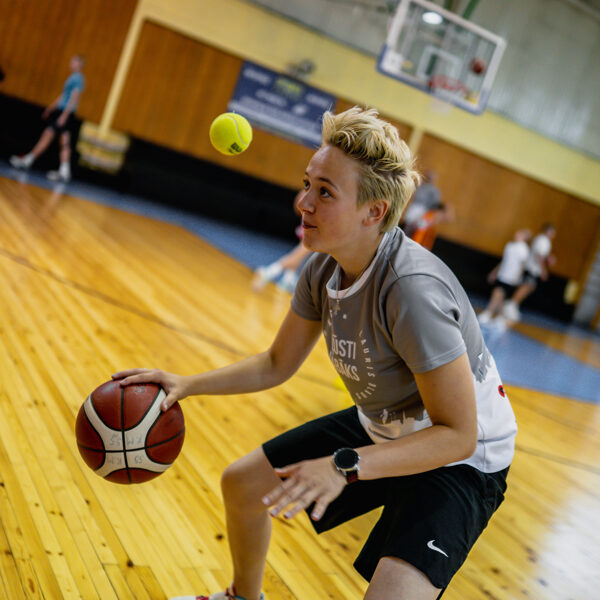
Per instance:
{"type": "Point", "coordinates": [175, 386]}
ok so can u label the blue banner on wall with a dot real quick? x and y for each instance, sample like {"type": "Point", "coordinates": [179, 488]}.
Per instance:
{"type": "Point", "coordinates": [279, 104]}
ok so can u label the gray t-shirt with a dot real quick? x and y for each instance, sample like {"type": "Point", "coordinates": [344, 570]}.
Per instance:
{"type": "Point", "coordinates": [407, 313]}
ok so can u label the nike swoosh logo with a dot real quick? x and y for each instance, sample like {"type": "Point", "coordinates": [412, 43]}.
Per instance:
{"type": "Point", "coordinates": [432, 546]}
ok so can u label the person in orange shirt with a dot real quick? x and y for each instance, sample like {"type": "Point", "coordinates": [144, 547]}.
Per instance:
{"type": "Point", "coordinates": [425, 229]}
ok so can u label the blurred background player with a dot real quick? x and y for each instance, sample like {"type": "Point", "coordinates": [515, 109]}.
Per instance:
{"type": "Point", "coordinates": [284, 269]}
{"type": "Point", "coordinates": [508, 275]}
{"type": "Point", "coordinates": [426, 197]}
{"type": "Point", "coordinates": [536, 268]}
{"type": "Point", "coordinates": [424, 231]}
{"type": "Point", "coordinates": [59, 117]}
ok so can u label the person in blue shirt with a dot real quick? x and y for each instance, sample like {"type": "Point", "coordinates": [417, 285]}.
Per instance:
{"type": "Point", "coordinates": [59, 117]}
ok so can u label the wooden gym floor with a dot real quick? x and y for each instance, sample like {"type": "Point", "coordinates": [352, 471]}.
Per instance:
{"type": "Point", "coordinates": [88, 290]}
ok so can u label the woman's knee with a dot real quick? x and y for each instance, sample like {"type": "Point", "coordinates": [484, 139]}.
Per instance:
{"type": "Point", "coordinates": [248, 479]}
{"type": "Point", "coordinates": [397, 579]}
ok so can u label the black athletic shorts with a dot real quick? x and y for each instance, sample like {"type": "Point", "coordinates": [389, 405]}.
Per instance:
{"type": "Point", "coordinates": [530, 278]}
{"type": "Point", "coordinates": [508, 289]}
{"type": "Point", "coordinates": [430, 520]}
{"type": "Point", "coordinates": [51, 122]}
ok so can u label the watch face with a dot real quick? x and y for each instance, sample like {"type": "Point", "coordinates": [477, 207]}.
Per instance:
{"type": "Point", "coordinates": [346, 458]}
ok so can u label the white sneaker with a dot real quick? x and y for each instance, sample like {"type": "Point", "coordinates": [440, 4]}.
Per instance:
{"type": "Point", "coordinates": [260, 279]}
{"type": "Point", "coordinates": [21, 162]}
{"type": "Point", "coordinates": [511, 312]}
{"type": "Point", "coordinates": [264, 275]}
{"type": "Point", "coordinates": [288, 281]}
{"type": "Point", "coordinates": [58, 176]}
{"type": "Point", "coordinates": [484, 317]}
{"type": "Point", "coordinates": [499, 323]}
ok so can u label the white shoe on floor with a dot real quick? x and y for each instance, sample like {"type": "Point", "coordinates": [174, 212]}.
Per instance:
{"type": "Point", "coordinates": [58, 176]}
{"type": "Point", "coordinates": [511, 312]}
{"type": "Point", "coordinates": [499, 323]}
{"type": "Point", "coordinates": [288, 281]}
{"type": "Point", "coordinates": [21, 162]}
{"type": "Point", "coordinates": [484, 317]}
{"type": "Point", "coordinates": [260, 279]}
{"type": "Point", "coordinates": [264, 275]}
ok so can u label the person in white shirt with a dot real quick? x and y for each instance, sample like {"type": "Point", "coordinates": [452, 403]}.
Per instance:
{"type": "Point", "coordinates": [507, 275]}
{"type": "Point", "coordinates": [536, 269]}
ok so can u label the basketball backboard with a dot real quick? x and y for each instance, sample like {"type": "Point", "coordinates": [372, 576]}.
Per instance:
{"type": "Point", "coordinates": [441, 54]}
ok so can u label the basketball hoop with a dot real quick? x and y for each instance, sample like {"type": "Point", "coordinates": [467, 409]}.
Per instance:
{"type": "Point", "coordinates": [445, 91]}
{"type": "Point", "coordinates": [442, 85]}
{"type": "Point", "coordinates": [442, 54]}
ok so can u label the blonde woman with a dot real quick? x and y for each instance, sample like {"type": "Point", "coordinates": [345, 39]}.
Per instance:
{"type": "Point", "coordinates": [432, 434]}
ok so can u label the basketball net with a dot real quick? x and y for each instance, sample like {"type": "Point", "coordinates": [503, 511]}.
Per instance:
{"type": "Point", "coordinates": [445, 90]}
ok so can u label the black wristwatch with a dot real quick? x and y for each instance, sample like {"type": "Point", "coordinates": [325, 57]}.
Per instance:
{"type": "Point", "coordinates": [346, 461]}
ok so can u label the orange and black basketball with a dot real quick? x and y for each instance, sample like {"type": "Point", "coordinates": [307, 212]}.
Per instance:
{"type": "Point", "coordinates": [123, 435]}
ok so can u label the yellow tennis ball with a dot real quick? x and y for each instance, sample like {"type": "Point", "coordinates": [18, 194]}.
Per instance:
{"type": "Point", "coordinates": [230, 133]}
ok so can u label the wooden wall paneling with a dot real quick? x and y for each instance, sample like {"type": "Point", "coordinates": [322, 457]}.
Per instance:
{"type": "Point", "coordinates": [492, 202]}
{"type": "Point", "coordinates": [176, 86]}
{"type": "Point", "coordinates": [161, 101]}
{"type": "Point", "coordinates": [37, 39]}
{"type": "Point", "coordinates": [577, 237]}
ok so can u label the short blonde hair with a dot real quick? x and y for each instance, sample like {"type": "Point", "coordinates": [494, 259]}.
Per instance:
{"type": "Point", "coordinates": [385, 160]}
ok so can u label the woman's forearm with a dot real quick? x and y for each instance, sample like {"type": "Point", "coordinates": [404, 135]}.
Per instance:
{"type": "Point", "coordinates": [252, 374]}
{"type": "Point", "coordinates": [417, 452]}
{"type": "Point", "coordinates": [449, 398]}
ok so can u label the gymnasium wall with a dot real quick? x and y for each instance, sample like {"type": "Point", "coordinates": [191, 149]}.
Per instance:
{"type": "Point", "coordinates": [491, 202]}
{"type": "Point", "coordinates": [178, 63]}
{"type": "Point", "coordinates": [37, 39]}
{"type": "Point", "coordinates": [174, 89]}
{"type": "Point", "coordinates": [189, 83]}
{"type": "Point", "coordinates": [242, 29]}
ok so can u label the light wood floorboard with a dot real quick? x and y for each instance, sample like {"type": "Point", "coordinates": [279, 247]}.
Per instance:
{"type": "Point", "coordinates": [88, 290]}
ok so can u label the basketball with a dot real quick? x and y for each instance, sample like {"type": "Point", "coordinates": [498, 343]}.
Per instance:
{"type": "Point", "coordinates": [123, 435]}
{"type": "Point", "coordinates": [230, 134]}
{"type": "Point", "coordinates": [478, 65]}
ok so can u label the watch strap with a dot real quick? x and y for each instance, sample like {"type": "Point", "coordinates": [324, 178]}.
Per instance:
{"type": "Point", "coordinates": [351, 476]}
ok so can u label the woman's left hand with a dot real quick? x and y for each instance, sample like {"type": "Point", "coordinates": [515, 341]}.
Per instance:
{"type": "Point", "coordinates": [307, 482]}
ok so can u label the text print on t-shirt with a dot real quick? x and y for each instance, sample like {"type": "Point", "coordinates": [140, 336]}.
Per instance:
{"type": "Point", "coordinates": [341, 350]}
{"type": "Point", "coordinates": [345, 353]}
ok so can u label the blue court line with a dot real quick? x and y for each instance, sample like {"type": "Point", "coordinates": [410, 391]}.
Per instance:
{"type": "Point", "coordinates": [540, 320]}
{"type": "Point", "coordinates": [522, 361]}
{"type": "Point", "coordinates": [525, 362]}
{"type": "Point", "coordinates": [248, 247]}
